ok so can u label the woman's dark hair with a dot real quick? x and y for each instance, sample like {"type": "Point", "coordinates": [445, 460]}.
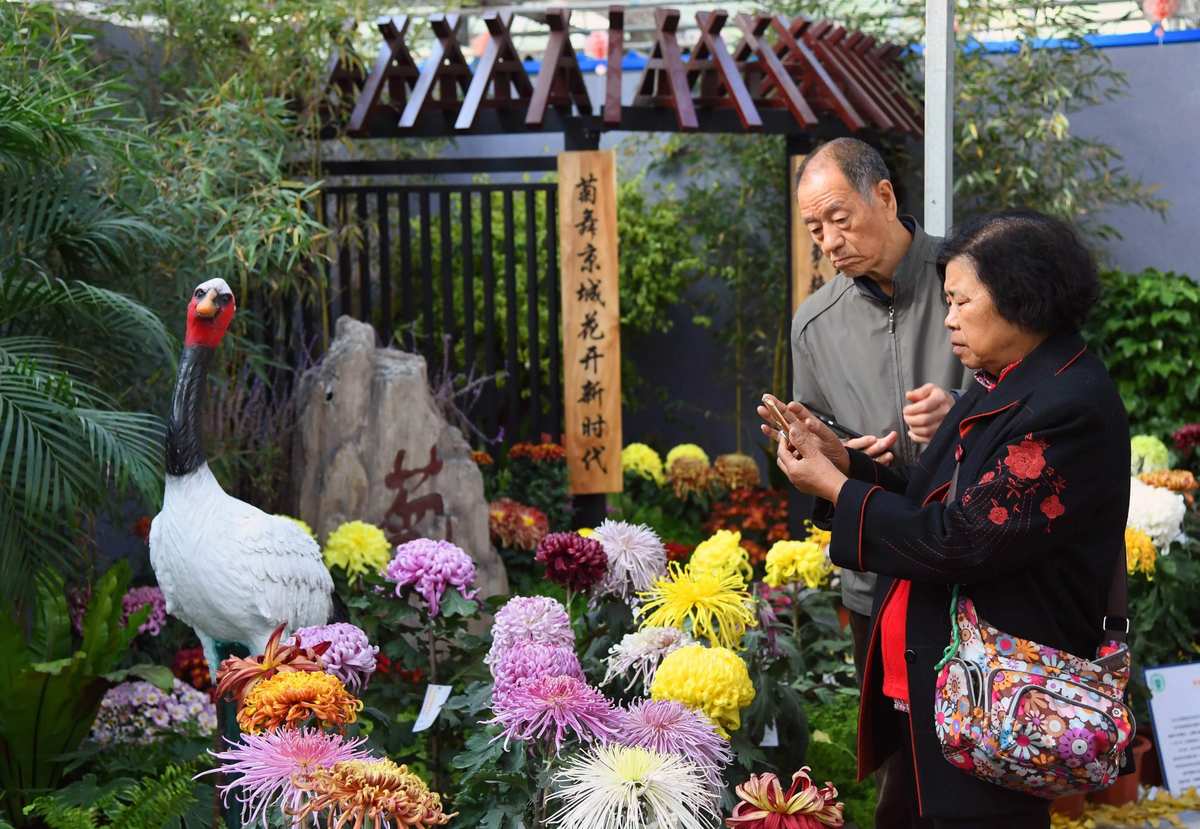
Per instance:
{"type": "Point", "coordinates": [1037, 270]}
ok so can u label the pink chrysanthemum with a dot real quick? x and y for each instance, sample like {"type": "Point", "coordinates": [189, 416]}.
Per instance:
{"type": "Point", "coordinates": [350, 657]}
{"type": "Point", "coordinates": [430, 567]}
{"type": "Point", "coordinates": [636, 558]}
{"type": "Point", "coordinates": [269, 767]}
{"type": "Point", "coordinates": [553, 707]}
{"type": "Point", "coordinates": [536, 619]}
{"type": "Point", "coordinates": [529, 660]}
{"type": "Point", "coordinates": [670, 727]}
{"type": "Point", "coordinates": [138, 597]}
{"type": "Point", "coordinates": [575, 562]}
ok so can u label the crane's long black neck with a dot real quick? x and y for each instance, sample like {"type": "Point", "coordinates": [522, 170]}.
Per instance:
{"type": "Point", "coordinates": [185, 445]}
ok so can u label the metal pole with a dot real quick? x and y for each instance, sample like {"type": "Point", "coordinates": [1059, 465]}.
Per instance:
{"type": "Point", "coordinates": [939, 116]}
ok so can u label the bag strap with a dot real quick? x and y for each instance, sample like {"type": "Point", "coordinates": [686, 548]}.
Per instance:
{"type": "Point", "coordinates": [1116, 610]}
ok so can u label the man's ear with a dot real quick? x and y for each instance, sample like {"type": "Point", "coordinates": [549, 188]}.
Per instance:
{"type": "Point", "coordinates": [887, 196]}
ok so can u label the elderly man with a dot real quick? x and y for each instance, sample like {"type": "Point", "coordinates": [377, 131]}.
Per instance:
{"type": "Point", "coordinates": [869, 346]}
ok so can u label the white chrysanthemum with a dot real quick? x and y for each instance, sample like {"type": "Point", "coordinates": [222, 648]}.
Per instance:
{"type": "Point", "coordinates": [1157, 512]}
{"type": "Point", "coordinates": [614, 785]}
{"type": "Point", "coordinates": [638, 654]}
{"type": "Point", "coordinates": [636, 558]}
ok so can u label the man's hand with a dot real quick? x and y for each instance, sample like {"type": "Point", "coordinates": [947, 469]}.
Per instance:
{"type": "Point", "coordinates": [927, 407]}
{"type": "Point", "coordinates": [878, 449]}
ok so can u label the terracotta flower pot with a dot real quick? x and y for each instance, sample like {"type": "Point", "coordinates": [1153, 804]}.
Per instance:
{"type": "Point", "coordinates": [843, 616]}
{"type": "Point", "coordinates": [1070, 806]}
{"type": "Point", "coordinates": [1151, 770]}
{"type": "Point", "coordinates": [1125, 790]}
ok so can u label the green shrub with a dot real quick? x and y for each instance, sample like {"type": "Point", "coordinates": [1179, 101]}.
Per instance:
{"type": "Point", "coordinates": [1146, 328]}
{"type": "Point", "coordinates": [832, 748]}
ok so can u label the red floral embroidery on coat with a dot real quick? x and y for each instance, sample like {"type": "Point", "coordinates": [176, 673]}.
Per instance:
{"type": "Point", "coordinates": [1052, 507]}
{"type": "Point", "coordinates": [998, 515]}
{"type": "Point", "coordinates": [1027, 458]}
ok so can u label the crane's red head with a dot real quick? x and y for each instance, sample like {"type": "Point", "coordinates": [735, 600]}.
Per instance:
{"type": "Point", "coordinates": [209, 313]}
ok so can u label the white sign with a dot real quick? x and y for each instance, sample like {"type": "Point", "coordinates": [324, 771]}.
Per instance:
{"type": "Point", "coordinates": [431, 706]}
{"type": "Point", "coordinates": [1175, 710]}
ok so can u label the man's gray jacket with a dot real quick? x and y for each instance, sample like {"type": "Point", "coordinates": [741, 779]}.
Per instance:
{"type": "Point", "coordinates": [855, 356]}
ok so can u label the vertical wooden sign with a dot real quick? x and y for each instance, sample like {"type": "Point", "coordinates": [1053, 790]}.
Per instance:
{"type": "Point", "coordinates": [591, 319]}
{"type": "Point", "coordinates": [810, 268]}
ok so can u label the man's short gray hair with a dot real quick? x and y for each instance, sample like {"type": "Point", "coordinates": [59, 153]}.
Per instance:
{"type": "Point", "coordinates": [858, 161]}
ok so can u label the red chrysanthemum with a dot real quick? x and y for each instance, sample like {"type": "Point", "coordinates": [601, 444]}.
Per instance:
{"type": "Point", "coordinates": [191, 666]}
{"type": "Point", "coordinates": [677, 551]}
{"type": "Point", "coordinates": [571, 560]}
{"type": "Point", "coordinates": [1187, 437]}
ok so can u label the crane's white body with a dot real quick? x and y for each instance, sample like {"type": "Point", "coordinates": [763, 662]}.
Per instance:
{"type": "Point", "coordinates": [231, 571]}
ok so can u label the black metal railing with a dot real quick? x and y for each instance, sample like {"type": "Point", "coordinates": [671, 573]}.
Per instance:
{"type": "Point", "coordinates": [464, 273]}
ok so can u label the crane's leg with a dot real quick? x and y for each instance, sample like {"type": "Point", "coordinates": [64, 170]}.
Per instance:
{"type": "Point", "coordinates": [211, 655]}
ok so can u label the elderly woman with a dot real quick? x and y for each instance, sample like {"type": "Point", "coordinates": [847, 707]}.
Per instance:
{"type": "Point", "coordinates": [1020, 500]}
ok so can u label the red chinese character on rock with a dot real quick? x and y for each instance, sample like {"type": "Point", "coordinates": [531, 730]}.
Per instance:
{"type": "Point", "coordinates": [405, 513]}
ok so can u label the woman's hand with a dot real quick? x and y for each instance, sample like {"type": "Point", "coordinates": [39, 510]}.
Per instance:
{"type": "Point", "coordinates": [794, 413]}
{"type": "Point", "coordinates": [802, 458]}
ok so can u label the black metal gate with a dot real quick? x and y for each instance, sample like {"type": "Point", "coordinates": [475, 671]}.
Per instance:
{"type": "Point", "coordinates": [464, 273]}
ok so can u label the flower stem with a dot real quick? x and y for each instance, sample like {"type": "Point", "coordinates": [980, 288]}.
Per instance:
{"type": "Point", "coordinates": [434, 767]}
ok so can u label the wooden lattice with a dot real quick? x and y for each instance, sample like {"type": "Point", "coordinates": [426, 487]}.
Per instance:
{"type": "Point", "coordinates": [786, 75]}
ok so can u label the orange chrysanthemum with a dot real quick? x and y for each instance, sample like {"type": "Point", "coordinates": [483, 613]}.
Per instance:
{"type": "Point", "coordinates": [736, 471]}
{"type": "Point", "coordinates": [690, 476]}
{"type": "Point", "coordinates": [291, 699]}
{"type": "Point", "coordinates": [237, 675]}
{"type": "Point", "coordinates": [355, 792]}
{"type": "Point", "coordinates": [537, 452]}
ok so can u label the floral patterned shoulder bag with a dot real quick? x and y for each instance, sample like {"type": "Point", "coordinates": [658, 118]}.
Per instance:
{"type": "Point", "coordinates": [1032, 718]}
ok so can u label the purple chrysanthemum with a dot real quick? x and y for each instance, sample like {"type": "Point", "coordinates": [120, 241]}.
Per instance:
{"type": "Point", "coordinates": [575, 562]}
{"type": "Point", "coordinates": [670, 727]}
{"type": "Point", "coordinates": [431, 566]}
{"type": "Point", "coordinates": [552, 707]}
{"type": "Point", "coordinates": [136, 598]}
{"type": "Point", "coordinates": [529, 660]}
{"type": "Point", "coordinates": [530, 619]}
{"type": "Point", "coordinates": [350, 657]}
{"type": "Point", "coordinates": [636, 558]}
{"type": "Point", "coordinates": [138, 713]}
{"type": "Point", "coordinates": [268, 766]}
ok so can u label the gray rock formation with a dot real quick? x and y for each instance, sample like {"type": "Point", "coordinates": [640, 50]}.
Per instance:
{"type": "Point", "coordinates": [372, 446]}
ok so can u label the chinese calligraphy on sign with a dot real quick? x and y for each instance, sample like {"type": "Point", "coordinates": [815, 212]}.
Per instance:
{"type": "Point", "coordinates": [591, 337]}
{"type": "Point", "coordinates": [810, 271]}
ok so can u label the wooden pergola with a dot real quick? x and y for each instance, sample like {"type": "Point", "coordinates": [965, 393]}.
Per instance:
{"type": "Point", "coordinates": [786, 76]}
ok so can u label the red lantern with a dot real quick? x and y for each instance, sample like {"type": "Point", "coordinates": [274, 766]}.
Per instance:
{"type": "Point", "coordinates": [596, 45]}
{"type": "Point", "coordinates": [1158, 11]}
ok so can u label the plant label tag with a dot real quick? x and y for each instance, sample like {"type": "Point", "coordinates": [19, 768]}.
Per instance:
{"type": "Point", "coordinates": [431, 706]}
{"type": "Point", "coordinates": [770, 736]}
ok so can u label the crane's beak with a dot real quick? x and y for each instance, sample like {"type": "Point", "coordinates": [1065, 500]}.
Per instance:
{"type": "Point", "coordinates": [207, 307]}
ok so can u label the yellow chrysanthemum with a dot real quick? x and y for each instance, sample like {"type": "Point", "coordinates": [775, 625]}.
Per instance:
{"type": "Point", "coordinates": [736, 470]}
{"type": "Point", "coordinates": [714, 681]}
{"type": "Point", "coordinates": [371, 792]}
{"type": "Point", "coordinates": [357, 547]}
{"type": "Point", "coordinates": [640, 459]}
{"type": "Point", "coordinates": [586, 532]}
{"type": "Point", "coordinates": [299, 524]}
{"type": "Point", "coordinates": [704, 603]}
{"type": "Point", "coordinates": [291, 699]}
{"type": "Point", "coordinates": [1140, 555]}
{"type": "Point", "coordinates": [818, 536]}
{"type": "Point", "coordinates": [686, 450]}
{"type": "Point", "coordinates": [798, 561]}
{"type": "Point", "coordinates": [723, 553]}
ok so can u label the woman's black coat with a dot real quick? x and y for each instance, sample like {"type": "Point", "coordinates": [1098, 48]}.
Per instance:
{"type": "Point", "coordinates": [1033, 535]}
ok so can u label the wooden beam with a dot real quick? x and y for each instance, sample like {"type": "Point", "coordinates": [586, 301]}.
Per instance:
{"type": "Point", "coordinates": [616, 54]}
{"type": "Point", "coordinates": [868, 51]}
{"type": "Point", "coordinates": [776, 73]}
{"type": "Point", "coordinates": [501, 67]}
{"type": "Point", "coordinates": [842, 40]}
{"type": "Point", "coordinates": [445, 64]}
{"type": "Point", "coordinates": [664, 81]}
{"type": "Point", "coordinates": [394, 65]}
{"type": "Point", "coordinates": [712, 48]}
{"type": "Point", "coordinates": [560, 83]}
{"type": "Point", "coordinates": [343, 70]}
{"type": "Point", "coordinates": [863, 97]}
{"type": "Point", "coordinates": [809, 67]}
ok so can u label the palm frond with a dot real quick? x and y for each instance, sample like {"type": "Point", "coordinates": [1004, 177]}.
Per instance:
{"type": "Point", "coordinates": [61, 220]}
{"type": "Point", "coordinates": [45, 299]}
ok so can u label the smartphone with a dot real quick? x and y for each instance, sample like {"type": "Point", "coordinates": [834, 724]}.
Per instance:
{"type": "Point", "coordinates": [828, 420]}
